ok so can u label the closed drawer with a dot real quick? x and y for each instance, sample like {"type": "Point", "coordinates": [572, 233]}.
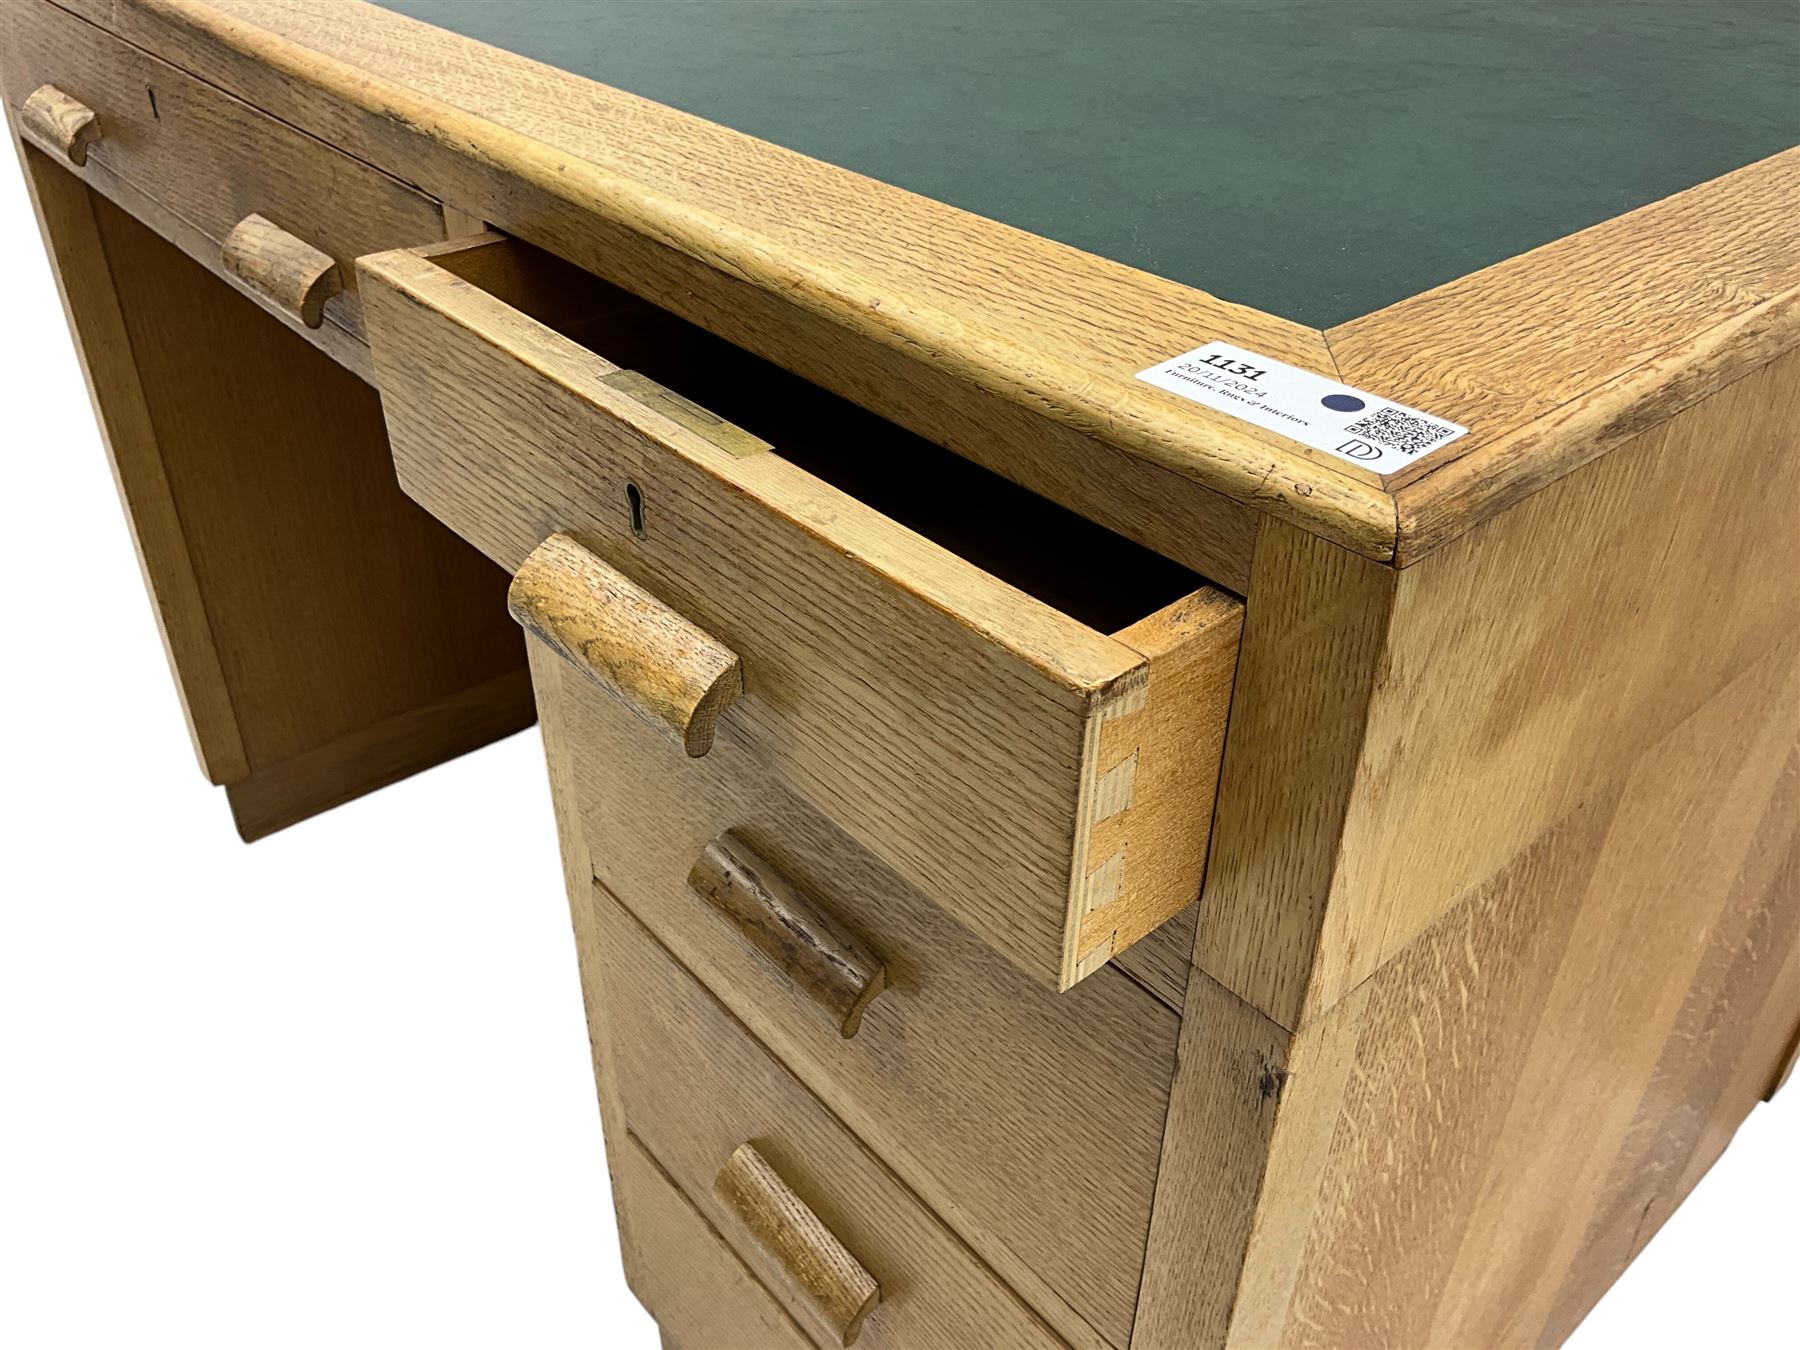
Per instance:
{"type": "Point", "coordinates": [697, 1091]}
{"type": "Point", "coordinates": [1018, 710]}
{"type": "Point", "coordinates": [700, 1294]}
{"type": "Point", "coordinates": [208, 162]}
{"type": "Point", "coordinates": [1032, 1120]}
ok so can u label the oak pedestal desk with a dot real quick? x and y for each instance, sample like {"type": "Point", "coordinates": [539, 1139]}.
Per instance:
{"type": "Point", "coordinates": [1179, 730]}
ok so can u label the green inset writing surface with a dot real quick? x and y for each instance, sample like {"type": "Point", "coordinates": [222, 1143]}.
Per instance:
{"type": "Point", "coordinates": [1316, 160]}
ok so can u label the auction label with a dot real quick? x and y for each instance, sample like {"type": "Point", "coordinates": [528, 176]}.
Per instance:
{"type": "Point", "coordinates": [1353, 424]}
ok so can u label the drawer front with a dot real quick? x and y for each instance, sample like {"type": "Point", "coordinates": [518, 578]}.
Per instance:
{"type": "Point", "coordinates": [698, 1291]}
{"type": "Point", "coordinates": [210, 162]}
{"type": "Point", "coordinates": [697, 1089]}
{"type": "Point", "coordinates": [1033, 1119]}
{"type": "Point", "coordinates": [1048, 783]}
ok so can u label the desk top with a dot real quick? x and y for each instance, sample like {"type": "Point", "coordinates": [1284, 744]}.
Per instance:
{"type": "Point", "coordinates": [976, 327]}
{"type": "Point", "coordinates": [1314, 160]}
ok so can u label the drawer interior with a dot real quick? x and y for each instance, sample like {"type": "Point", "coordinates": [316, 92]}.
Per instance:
{"type": "Point", "coordinates": [1018, 710]}
{"type": "Point", "coordinates": [1086, 571]}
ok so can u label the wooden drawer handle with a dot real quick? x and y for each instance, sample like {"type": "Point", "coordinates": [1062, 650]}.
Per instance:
{"type": "Point", "coordinates": [780, 921]}
{"type": "Point", "coordinates": [282, 268]}
{"type": "Point", "coordinates": [670, 673]}
{"type": "Point", "coordinates": [832, 1281]}
{"type": "Point", "coordinates": [60, 121]}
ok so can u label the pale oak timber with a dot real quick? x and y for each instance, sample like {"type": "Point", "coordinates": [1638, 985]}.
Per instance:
{"type": "Point", "coordinates": [666, 670]}
{"type": "Point", "coordinates": [1514, 813]}
{"type": "Point", "coordinates": [1525, 662]}
{"type": "Point", "coordinates": [71, 232]}
{"type": "Point", "coordinates": [1440, 507]}
{"type": "Point", "coordinates": [1558, 356]}
{"type": "Point", "coordinates": [1161, 961]}
{"type": "Point", "coordinates": [332, 612]}
{"type": "Point", "coordinates": [60, 121]}
{"type": "Point", "coordinates": [1712, 1066]}
{"type": "Point", "coordinates": [1231, 1068]}
{"type": "Point", "coordinates": [560, 755]}
{"type": "Point", "coordinates": [383, 752]}
{"type": "Point", "coordinates": [665, 1027]}
{"type": "Point", "coordinates": [1153, 809]}
{"type": "Point", "coordinates": [883, 673]}
{"type": "Point", "coordinates": [1520, 1123]}
{"type": "Point", "coordinates": [287, 271]}
{"type": "Point", "coordinates": [1025, 362]}
{"type": "Point", "coordinates": [331, 337]}
{"type": "Point", "coordinates": [1541, 657]}
{"type": "Point", "coordinates": [670, 1251]}
{"type": "Point", "coordinates": [838, 1291]}
{"type": "Point", "coordinates": [1545, 1022]}
{"type": "Point", "coordinates": [1526, 1015]}
{"type": "Point", "coordinates": [1314, 637]}
{"type": "Point", "coordinates": [974, 1084]}
{"type": "Point", "coordinates": [809, 946]}
{"type": "Point", "coordinates": [284, 57]}
{"type": "Point", "coordinates": [209, 159]}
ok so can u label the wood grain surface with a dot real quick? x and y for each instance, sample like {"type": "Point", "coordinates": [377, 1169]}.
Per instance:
{"type": "Point", "coordinates": [666, 1028]}
{"type": "Point", "coordinates": [1029, 1121]}
{"type": "Point", "coordinates": [281, 267]}
{"type": "Point", "coordinates": [1549, 1070]}
{"type": "Point", "coordinates": [1546, 957]}
{"type": "Point", "coordinates": [670, 1252]}
{"type": "Point", "coordinates": [208, 158]}
{"type": "Point", "coordinates": [61, 122]}
{"type": "Point", "coordinates": [806, 944]}
{"type": "Point", "coordinates": [1017, 352]}
{"type": "Point", "coordinates": [953, 723]}
{"type": "Point", "coordinates": [836, 1288]}
{"type": "Point", "coordinates": [1470, 1147]}
{"type": "Point", "coordinates": [670, 673]}
{"type": "Point", "coordinates": [1157, 773]}
{"type": "Point", "coordinates": [1522, 665]}
{"type": "Point", "coordinates": [1567, 352]}
{"type": "Point", "coordinates": [1314, 637]}
{"type": "Point", "coordinates": [315, 606]}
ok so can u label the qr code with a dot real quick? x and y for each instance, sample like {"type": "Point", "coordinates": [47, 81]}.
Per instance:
{"type": "Point", "coordinates": [1401, 430]}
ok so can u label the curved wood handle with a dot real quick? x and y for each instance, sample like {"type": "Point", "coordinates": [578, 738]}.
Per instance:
{"type": "Point", "coordinates": [282, 268]}
{"type": "Point", "coordinates": [831, 1281]}
{"type": "Point", "coordinates": [670, 673]}
{"type": "Point", "coordinates": [60, 121]}
{"type": "Point", "coordinates": [818, 953]}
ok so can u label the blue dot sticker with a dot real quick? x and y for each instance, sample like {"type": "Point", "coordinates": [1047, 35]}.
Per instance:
{"type": "Point", "coordinates": [1343, 403]}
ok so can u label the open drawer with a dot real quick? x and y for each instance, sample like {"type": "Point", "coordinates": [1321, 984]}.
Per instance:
{"type": "Point", "coordinates": [1020, 711]}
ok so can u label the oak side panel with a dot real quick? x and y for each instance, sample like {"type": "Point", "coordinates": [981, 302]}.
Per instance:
{"type": "Point", "coordinates": [339, 613]}
{"type": "Point", "coordinates": [1533, 660]}
{"type": "Point", "coordinates": [1713, 1067]}
{"type": "Point", "coordinates": [1552, 957]}
{"type": "Point", "coordinates": [1315, 633]}
{"type": "Point", "coordinates": [71, 234]}
{"type": "Point", "coordinates": [1542, 1076]}
{"type": "Point", "coordinates": [1233, 1065]}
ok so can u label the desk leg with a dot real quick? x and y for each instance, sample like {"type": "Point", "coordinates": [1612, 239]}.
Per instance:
{"type": "Point", "coordinates": [327, 636]}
